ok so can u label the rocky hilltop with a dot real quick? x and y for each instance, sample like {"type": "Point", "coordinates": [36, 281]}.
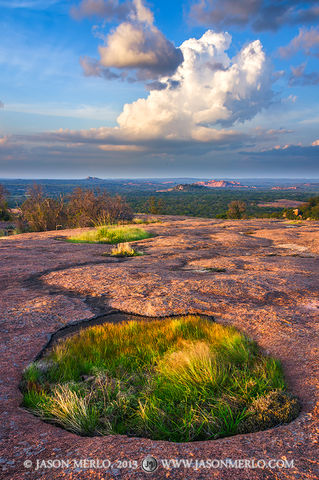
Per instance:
{"type": "Point", "coordinates": [94, 179]}
{"type": "Point", "coordinates": [258, 275]}
{"type": "Point", "coordinates": [209, 184]}
{"type": "Point", "coordinates": [222, 184]}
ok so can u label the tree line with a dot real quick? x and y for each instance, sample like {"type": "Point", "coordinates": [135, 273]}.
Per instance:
{"type": "Point", "coordinates": [310, 210]}
{"type": "Point", "coordinates": [86, 208]}
{"type": "Point", "coordinates": [81, 208]}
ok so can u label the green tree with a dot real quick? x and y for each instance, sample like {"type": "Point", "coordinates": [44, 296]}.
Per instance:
{"type": "Point", "coordinates": [236, 209]}
{"type": "Point", "coordinates": [4, 212]}
{"type": "Point", "coordinates": [152, 206]}
{"type": "Point", "coordinates": [156, 206]}
{"type": "Point", "coordinates": [311, 209]}
{"type": "Point", "coordinates": [160, 205]}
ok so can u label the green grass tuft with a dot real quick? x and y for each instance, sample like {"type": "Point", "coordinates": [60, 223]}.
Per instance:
{"type": "Point", "coordinates": [178, 379]}
{"type": "Point", "coordinates": [112, 235]}
{"type": "Point", "coordinates": [123, 250]}
{"type": "Point", "coordinates": [146, 220]}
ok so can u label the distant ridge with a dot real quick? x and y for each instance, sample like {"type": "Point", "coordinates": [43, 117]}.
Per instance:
{"type": "Point", "coordinates": [209, 184]}
{"type": "Point", "coordinates": [222, 184]}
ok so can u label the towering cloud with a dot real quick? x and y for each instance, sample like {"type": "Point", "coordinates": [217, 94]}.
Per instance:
{"type": "Point", "coordinates": [208, 93]}
{"type": "Point", "coordinates": [210, 89]}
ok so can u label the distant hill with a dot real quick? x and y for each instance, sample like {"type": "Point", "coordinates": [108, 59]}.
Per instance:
{"type": "Point", "coordinates": [188, 187]}
{"type": "Point", "coordinates": [222, 184]}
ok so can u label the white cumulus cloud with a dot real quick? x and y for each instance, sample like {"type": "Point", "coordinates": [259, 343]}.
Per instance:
{"type": "Point", "coordinates": [135, 45]}
{"type": "Point", "coordinates": [210, 89]}
{"type": "Point", "coordinates": [201, 102]}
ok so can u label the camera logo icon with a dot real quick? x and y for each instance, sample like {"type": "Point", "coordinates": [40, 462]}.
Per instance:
{"type": "Point", "coordinates": [149, 464]}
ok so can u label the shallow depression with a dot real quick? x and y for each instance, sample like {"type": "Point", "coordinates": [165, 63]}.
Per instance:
{"type": "Point", "coordinates": [179, 379]}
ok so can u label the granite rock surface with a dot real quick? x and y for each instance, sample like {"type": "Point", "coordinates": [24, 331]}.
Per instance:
{"type": "Point", "coordinates": [258, 275]}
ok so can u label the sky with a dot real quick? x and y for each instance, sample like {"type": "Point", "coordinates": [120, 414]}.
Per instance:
{"type": "Point", "coordinates": [129, 88]}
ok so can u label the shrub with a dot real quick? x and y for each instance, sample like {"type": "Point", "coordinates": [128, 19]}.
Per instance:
{"type": "Point", "coordinates": [83, 208]}
{"type": "Point", "coordinates": [310, 209]}
{"type": "Point", "coordinates": [124, 250]}
{"type": "Point", "coordinates": [87, 208]}
{"type": "Point", "coordinates": [43, 213]}
{"type": "Point", "coordinates": [22, 225]}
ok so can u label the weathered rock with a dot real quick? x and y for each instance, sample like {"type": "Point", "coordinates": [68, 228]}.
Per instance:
{"type": "Point", "coordinates": [267, 291]}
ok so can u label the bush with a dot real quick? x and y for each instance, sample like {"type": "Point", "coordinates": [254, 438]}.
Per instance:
{"type": "Point", "coordinates": [87, 208]}
{"type": "Point", "coordinates": [82, 208]}
{"type": "Point", "coordinates": [43, 213]}
{"type": "Point", "coordinates": [311, 209]}
{"type": "Point", "coordinates": [124, 250]}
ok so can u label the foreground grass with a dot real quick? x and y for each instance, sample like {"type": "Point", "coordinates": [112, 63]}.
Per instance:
{"type": "Point", "coordinates": [111, 235]}
{"type": "Point", "coordinates": [179, 379]}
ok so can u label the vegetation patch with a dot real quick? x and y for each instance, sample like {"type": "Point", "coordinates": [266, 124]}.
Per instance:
{"type": "Point", "coordinates": [112, 235]}
{"type": "Point", "coordinates": [294, 222]}
{"type": "Point", "coordinates": [123, 250]}
{"type": "Point", "coordinates": [146, 221]}
{"type": "Point", "coordinates": [199, 269]}
{"type": "Point", "coordinates": [215, 269]}
{"type": "Point", "coordinates": [249, 232]}
{"type": "Point", "coordinates": [306, 211]}
{"type": "Point", "coordinates": [178, 379]}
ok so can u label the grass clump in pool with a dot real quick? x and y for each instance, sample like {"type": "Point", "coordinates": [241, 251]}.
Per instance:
{"type": "Point", "coordinates": [178, 379]}
{"type": "Point", "coordinates": [111, 235]}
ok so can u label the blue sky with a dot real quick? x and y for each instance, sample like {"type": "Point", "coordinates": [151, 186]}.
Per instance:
{"type": "Point", "coordinates": [125, 88]}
